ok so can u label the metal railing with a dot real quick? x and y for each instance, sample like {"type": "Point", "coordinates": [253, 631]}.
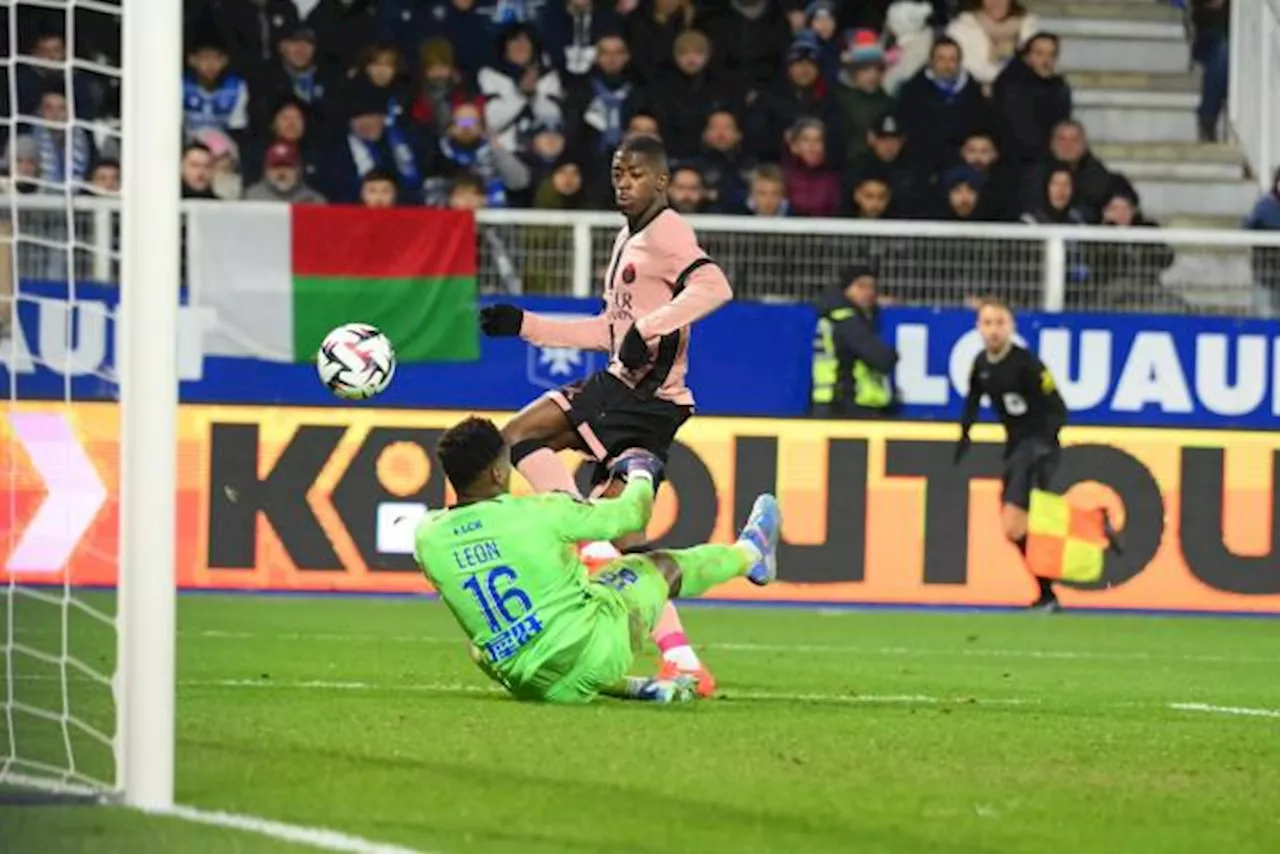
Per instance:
{"type": "Point", "coordinates": [932, 263]}
{"type": "Point", "coordinates": [1253, 105]}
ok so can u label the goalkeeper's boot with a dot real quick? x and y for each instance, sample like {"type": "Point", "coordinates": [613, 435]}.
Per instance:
{"type": "Point", "coordinates": [680, 689]}
{"type": "Point", "coordinates": [704, 682]}
{"type": "Point", "coordinates": [763, 528]}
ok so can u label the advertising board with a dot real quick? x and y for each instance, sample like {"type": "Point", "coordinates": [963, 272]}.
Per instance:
{"type": "Point", "coordinates": [748, 359]}
{"type": "Point", "coordinates": [326, 499]}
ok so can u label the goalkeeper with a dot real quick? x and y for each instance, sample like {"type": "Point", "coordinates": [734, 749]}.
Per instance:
{"type": "Point", "coordinates": [508, 569]}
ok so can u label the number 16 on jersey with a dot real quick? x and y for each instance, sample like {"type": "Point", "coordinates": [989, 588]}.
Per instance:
{"type": "Point", "coordinates": [507, 609]}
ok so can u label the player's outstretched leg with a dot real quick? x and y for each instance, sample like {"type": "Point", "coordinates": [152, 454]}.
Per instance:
{"type": "Point", "coordinates": [678, 655]}
{"type": "Point", "coordinates": [764, 530]}
{"type": "Point", "coordinates": [754, 556]}
{"type": "Point", "coordinates": [534, 435]}
{"type": "Point", "coordinates": [709, 566]}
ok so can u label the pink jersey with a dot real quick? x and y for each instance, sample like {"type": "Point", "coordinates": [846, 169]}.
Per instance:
{"type": "Point", "coordinates": [659, 279]}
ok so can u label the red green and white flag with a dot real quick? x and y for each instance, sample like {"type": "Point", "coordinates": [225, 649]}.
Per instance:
{"type": "Point", "coordinates": [280, 277]}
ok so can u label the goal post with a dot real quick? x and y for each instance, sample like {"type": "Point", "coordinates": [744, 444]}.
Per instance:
{"type": "Point", "coordinates": [147, 368]}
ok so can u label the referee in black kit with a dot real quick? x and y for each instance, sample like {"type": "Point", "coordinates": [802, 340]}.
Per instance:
{"type": "Point", "coordinates": [1028, 404]}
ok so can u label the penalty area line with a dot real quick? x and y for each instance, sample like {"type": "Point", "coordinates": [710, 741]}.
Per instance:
{"type": "Point", "coordinates": [320, 838]}
{"type": "Point", "coordinates": [729, 695]}
{"type": "Point", "coordinates": [1238, 711]}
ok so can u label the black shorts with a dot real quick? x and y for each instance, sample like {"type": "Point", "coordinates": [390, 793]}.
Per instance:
{"type": "Point", "coordinates": [610, 418]}
{"type": "Point", "coordinates": [1029, 465]}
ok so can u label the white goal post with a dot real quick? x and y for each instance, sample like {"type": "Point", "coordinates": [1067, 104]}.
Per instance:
{"type": "Point", "coordinates": [150, 270]}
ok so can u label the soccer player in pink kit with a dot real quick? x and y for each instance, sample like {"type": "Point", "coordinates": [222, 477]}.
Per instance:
{"type": "Point", "coordinates": [658, 282]}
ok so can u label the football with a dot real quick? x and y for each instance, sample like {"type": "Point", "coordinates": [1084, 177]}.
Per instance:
{"type": "Point", "coordinates": [356, 361]}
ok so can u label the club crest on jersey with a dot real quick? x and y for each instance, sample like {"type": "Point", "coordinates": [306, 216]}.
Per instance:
{"type": "Point", "coordinates": [629, 274]}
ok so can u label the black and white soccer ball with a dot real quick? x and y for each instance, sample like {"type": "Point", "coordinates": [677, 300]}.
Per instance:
{"type": "Point", "coordinates": [356, 361]}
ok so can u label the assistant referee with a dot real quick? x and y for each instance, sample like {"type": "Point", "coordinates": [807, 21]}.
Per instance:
{"type": "Point", "coordinates": [1028, 404]}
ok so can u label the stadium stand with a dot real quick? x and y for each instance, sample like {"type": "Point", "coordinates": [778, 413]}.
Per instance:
{"type": "Point", "coordinates": [967, 111]}
{"type": "Point", "coordinates": [430, 90]}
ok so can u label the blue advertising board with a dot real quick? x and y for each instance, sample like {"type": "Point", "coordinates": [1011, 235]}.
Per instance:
{"type": "Point", "coordinates": [747, 359]}
{"type": "Point", "coordinates": [1130, 369]}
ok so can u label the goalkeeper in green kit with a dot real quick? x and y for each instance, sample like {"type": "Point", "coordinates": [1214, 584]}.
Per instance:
{"type": "Point", "coordinates": [507, 567]}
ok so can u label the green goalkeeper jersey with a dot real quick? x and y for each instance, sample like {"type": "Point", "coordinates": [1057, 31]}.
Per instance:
{"type": "Point", "coordinates": [508, 569]}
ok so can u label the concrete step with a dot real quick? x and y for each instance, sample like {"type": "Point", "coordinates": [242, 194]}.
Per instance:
{"type": "Point", "coordinates": [1143, 169]}
{"type": "Point", "coordinates": [1172, 152]}
{"type": "Point", "coordinates": [1114, 28]}
{"type": "Point", "coordinates": [1184, 162]}
{"type": "Point", "coordinates": [1163, 198]}
{"type": "Point", "coordinates": [1124, 53]}
{"type": "Point", "coordinates": [1135, 98]}
{"type": "Point", "coordinates": [1139, 124]}
{"type": "Point", "coordinates": [1034, 5]}
{"type": "Point", "coordinates": [1181, 81]}
{"type": "Point", "coordinates": [1079, 9]}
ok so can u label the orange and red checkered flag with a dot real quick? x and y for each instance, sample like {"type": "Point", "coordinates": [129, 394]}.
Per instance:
{"type": "Point", "coordinates": [1063, 541]}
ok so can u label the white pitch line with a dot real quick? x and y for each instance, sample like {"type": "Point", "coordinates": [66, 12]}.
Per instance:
{"type": "Point", "coordinates": [985, 652]}
{"type": "Point", "coordinates": [979, 652]}
{"type": "Point", "coordinates": [1239, 711]}
{"type": "Point", "coordinates": [836, 649]}
{"type": "Point", "coordinates": [315, 837]}
{"type": "Point", "coordinates": [321, 838]}
{"type": "Point", "coordinates": [729, 695]}
{"type": "Point", "coordinates": [340, 685]}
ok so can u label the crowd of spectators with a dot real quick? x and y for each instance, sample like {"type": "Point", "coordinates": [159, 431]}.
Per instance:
{"type": "Point", "coordinates": [951, 109]}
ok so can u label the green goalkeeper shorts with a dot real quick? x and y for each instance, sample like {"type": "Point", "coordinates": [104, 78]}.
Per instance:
{"type": "Point", "coordinates": [626, 597]}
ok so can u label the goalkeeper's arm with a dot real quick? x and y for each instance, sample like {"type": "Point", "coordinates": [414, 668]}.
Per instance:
{"type": "Point", "coordinates": [579, 520]}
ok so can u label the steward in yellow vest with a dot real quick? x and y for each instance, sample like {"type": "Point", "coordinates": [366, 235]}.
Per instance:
{"type": "Point", "coordinates": [852, 365]}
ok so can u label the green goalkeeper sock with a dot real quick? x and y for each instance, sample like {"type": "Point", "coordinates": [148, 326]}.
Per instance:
{"type": "Point", "coordinates": [705, 567]}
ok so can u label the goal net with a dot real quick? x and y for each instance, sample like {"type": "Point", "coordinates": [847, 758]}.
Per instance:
{"type": "Point", "coordinates": [59, 437]}
{"type": "Point", "coordinates": [63, 427]}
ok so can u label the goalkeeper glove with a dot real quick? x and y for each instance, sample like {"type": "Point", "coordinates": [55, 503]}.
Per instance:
{"type": "Point", "coordinates": [501, 321]}
{"type": "Point", "coordinates": [962, 447]}
{"type": "Point", "coordinates": [633, 353]}
{"type": "Point", "coordinates": [636, 461]}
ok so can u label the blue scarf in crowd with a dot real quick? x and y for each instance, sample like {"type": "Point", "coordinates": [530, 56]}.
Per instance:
{"type": "Point", "coordinates": [305, 86]}
{"type": "Point", "coordinates": [366, 156]}
{"type": "Point", "coordinates": [53, 166]}
{"type": "Point", "coordinates": [605, 112]}
{"type": "Point", "coordinates": [480, 161]}
{"type": "Point", "coordinates": [948, 88]}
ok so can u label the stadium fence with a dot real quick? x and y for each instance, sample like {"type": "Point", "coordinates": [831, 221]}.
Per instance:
{"type": "Point", "coordinates": [1084, 268]}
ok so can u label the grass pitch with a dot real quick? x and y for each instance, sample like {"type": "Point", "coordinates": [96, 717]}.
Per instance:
{"type": "Point", "coordinates": [837, 731]}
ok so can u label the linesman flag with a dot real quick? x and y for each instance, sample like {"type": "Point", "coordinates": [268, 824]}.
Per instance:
{"type": "Point", "coordinates": [1065, 542]}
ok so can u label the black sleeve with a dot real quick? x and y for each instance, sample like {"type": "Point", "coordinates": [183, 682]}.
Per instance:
{"type": "Point", "coordinates": [857, 336]}
{"type": "Point", "coordinates": [970, 413]}
{"type": "Point", "coordinates": [1045, 391]}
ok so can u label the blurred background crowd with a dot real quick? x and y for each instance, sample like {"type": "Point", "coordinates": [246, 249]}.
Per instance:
{"type": "Point", "coordinates": [944, 110]}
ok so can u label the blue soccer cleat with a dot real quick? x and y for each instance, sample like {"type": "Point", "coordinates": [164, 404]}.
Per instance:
{"type": "Point", "coordinates": [763, 529]}
{"type": "Point", "coordinates": [681, 689]}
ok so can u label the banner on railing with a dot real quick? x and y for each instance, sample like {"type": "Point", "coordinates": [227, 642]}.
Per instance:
{"type": "Point", "coordinates": [1141, 370]}
{"type": "Point", "coordinates": [747, 359]}
{"type": "Point", "coordinates": [327, 499]}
